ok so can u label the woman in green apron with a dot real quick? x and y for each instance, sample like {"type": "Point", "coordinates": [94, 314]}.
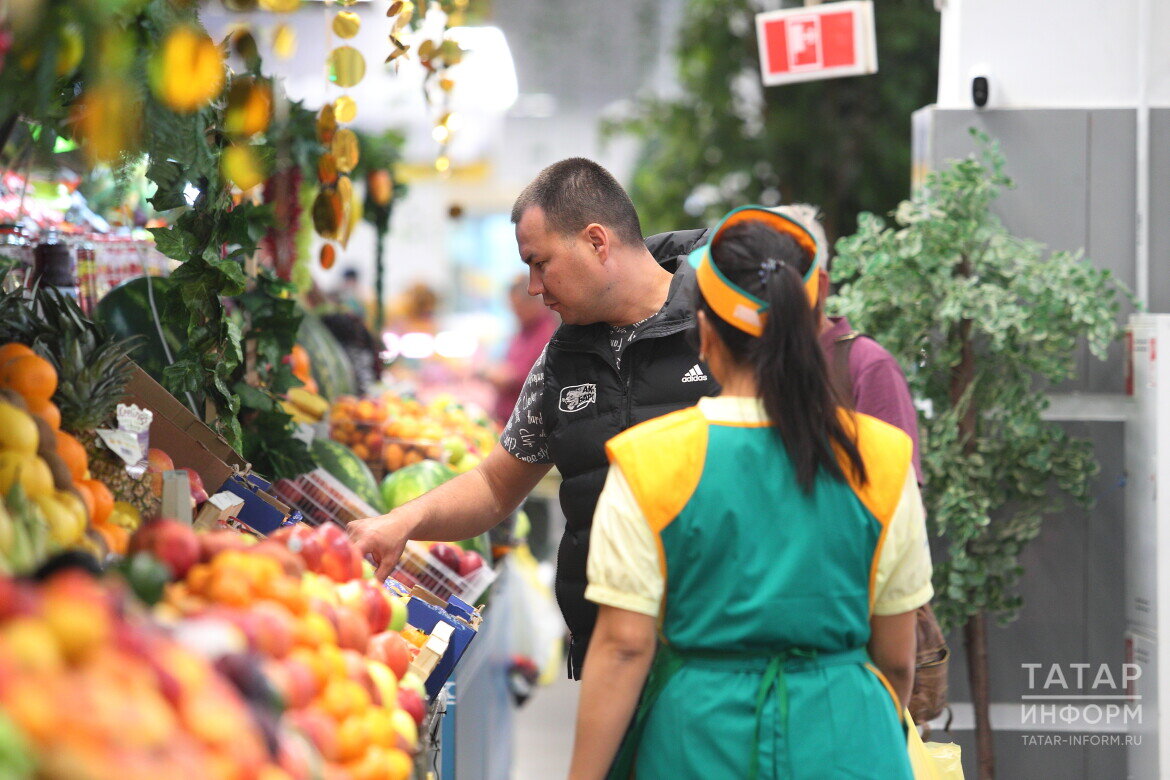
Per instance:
{"type": "Point", "coordinates": [757, 558]}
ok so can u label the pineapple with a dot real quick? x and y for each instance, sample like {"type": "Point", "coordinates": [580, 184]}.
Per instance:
{"type": "Point", "coordinates": [92, 372]}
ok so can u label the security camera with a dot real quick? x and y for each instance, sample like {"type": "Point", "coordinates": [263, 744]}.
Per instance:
{"type": "Point", "coordinates": [980, 91]}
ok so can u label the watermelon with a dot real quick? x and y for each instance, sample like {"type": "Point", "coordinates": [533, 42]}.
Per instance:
{"type": "Point", "coordinates": [327, 360]}
{"type": "Point", "coordinates": [126, 311]}
{"type": "Point", "coordinates": [410, 482]}
{"type": "Point", "coordinates": [348, 468]}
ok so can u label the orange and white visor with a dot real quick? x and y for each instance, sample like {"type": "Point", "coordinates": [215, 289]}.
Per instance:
{"type": "Point", "coordinates": [731, 302]}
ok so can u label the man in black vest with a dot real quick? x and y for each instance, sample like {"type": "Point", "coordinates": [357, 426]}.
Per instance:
{"type": "Point", "coordinates": [620, 357]}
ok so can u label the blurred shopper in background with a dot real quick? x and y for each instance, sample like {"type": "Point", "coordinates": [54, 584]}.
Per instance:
{"type": "Point", "coordinates": [757, 558]}
{"type": "Point", "coordinates": [355, 297]}
{"type": "Point", "coordinates": [534, 327]}
{"type": "Point", "coordinates": [621, 356]}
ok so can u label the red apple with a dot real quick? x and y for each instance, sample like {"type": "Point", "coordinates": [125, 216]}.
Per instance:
{"type": "Point", "coordinates": [469, 563]}
{"type": "Point", "coordinates": [340, 560]}
{"type": "Point", "coordinates": [447, 554]}
{"type": "Point", "coordinates": [378, 604]}
{"type": "Point", "coordinates": [196, 482]}
{"type": "Point", "coordinates": [293, 564]}
{"type": "Point", "coordinates": [356, 670]}
{"type": "Point", "coordinates": [276, 628]}
{"type": "Point", "coordinates": [303, 541]}
{"type": "Point", "coordinates": [172, 542]}
{"type": "Point", "coordinates": [412, 703]}
{"type": "Point", "coordinates": [301, 684]}
{"type": "Point", "coordinates": [320, 728]}
{"type": "Point", "coordinates": [352, 629]}
{"type": "Point", "coordinates": [390, 648]}
{"type": "Point", "coordinates": [157, 462]}
{"type": "Point", "coordinates": [212, 543]}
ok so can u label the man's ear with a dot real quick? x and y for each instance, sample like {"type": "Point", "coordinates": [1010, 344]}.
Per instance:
{"type": "Point", "coordinates": [822, 288]}
{"type": "Point", "coordinates": [598, 238]}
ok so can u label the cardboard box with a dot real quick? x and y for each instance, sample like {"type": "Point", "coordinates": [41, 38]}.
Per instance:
{"type": "Point", "coordinates": [423, 611]}
{"type": "Point", "coordinates": [182, 435]}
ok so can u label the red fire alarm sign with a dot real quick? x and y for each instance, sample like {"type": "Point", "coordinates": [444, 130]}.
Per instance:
{"type": "Point", "coordinates": [817, 42]}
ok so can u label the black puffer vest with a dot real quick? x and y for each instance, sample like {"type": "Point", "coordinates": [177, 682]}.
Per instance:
{"type": "Point", "coordinates": [588, 400]}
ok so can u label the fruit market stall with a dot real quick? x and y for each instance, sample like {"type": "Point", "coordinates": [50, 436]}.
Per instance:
{"type": "Point", "coordinates": [182, 436]}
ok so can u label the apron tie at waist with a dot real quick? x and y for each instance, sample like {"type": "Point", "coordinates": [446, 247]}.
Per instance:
{"type": "Point", "coordinates": [770, 666]}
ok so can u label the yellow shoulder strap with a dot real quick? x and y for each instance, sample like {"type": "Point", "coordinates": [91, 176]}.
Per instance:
{"type": "Point", "coordinates": [886, 451]}
{"type": "Point", "coordinates": [662, 460]}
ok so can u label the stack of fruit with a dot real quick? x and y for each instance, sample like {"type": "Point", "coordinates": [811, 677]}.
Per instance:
{"type": "Point", "coordinates": [327, 639]}
{"type": "Point", "coordinates": [78, 382]}
{"type": "Point", "coordinates": [391, 432]}
{"type": "Point", "coordinates": [50, 466]}
{"type": "Point", "coordinates": [92, 689]}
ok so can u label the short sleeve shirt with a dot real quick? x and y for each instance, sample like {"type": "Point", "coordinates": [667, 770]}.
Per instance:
{"type": "Point", "coordinates": [624, 568]}
{"type": "Point", "coordinates": [525, 436]}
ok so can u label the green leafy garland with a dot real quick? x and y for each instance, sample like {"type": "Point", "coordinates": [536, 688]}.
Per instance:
{"type": "Point", "coordinates": [232, 358]}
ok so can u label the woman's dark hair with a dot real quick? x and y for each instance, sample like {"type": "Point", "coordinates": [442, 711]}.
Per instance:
{"type": "Point", "coordinates": [791, 371]}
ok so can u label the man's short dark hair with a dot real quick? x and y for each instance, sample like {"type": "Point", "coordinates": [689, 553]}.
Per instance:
{"type": "Point", "coordinates": [575, 192]}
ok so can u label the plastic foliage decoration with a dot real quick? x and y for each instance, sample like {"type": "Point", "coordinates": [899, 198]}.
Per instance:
{"type": "Point", "coordinates": [982, 322]}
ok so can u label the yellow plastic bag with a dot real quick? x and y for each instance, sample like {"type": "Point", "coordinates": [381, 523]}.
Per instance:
{"type": "Point", "coordinates": [932, 760]}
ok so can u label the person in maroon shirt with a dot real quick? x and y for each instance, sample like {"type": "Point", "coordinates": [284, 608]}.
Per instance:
{"type": "Point", "coordinates": [877, 385]}
{"type": "Point", "coordinates": [535, 327]}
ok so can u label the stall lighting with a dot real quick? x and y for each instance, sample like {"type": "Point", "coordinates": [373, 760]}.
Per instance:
{"type": "Point", "coordinates": [455, 344]}
{"type": "Point", "coordinates": [392, 344]}
{"type": "Point", "coordinates": [417, 346]}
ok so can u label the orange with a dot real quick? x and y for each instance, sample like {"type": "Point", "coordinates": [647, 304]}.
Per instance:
{"type": "Point", "coordinates": [31, 376]}
{"type": "Point", "coordinates": [13, 350]}
{"type": "Point", "coordinates": [117, 539]}
{"type": "Point", "coordinates": [73, 453]}
{"type": "Point", "coordinates": [47, 411]}
{"type": "Point", "coordinates": [103, 499]}
{"type": "Point", "coordinates": [299, 362]}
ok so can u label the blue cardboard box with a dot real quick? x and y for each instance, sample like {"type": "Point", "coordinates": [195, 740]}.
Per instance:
{"type": "Point", "coordinates": [260, 511]}
{"type": "Point", "coordinates": [424, 615]}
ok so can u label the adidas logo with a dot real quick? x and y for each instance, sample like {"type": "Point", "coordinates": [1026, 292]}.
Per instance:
{"type": "Point", "coordinates": [695, 375]}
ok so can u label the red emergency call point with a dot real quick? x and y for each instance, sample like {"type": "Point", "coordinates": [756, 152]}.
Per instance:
{"type": "Point", "coordinates": [817, 42]}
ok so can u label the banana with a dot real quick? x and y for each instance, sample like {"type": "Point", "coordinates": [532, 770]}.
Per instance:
{"type": "Point", "coordinates": [7, 530]}
{"type": "Point", "coordinates": [313, 405]}
{"type": "Point", "coordinates": [298, 414]}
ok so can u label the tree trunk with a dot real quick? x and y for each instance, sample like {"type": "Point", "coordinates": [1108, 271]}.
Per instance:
{"type": "Point", "coordinates": [975, 642]}
{"type": "Point", "coordinates": [974, 631]}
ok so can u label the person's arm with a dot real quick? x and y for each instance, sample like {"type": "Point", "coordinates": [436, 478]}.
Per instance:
{"type": "Point", "coordinates": [902, 586]}
{"type": "Point", "coordinates": [616, 666]}
{"type": "Point", "coordinates": [893, 647]}
{"type": "Point", "coordinates": [468, 505]}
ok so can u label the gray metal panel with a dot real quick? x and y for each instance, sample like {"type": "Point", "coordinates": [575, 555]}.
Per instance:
{"type": "Point", "coordinates": [1160, 210]}
{"type": "Point", "coordinates": [1047, 154]}
{"type": "Point", "coordinates": [1072, 613]}
{"type": "Point", "coordinates": [1111, 228]}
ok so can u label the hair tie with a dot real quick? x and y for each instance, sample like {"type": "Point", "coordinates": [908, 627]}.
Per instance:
{"type": "Point", "coordinates": [771, 265]}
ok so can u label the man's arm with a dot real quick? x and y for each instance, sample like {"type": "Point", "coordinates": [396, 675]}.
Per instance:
{"type": "Point", "coordinates": [468, 505]}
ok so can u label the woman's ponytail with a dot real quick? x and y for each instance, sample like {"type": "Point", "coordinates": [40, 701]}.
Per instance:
{"type": "Point", "coordinates": [791, 371]}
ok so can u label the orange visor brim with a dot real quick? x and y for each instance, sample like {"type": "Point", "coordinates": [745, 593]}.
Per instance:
{"type": "Point", "coordinates": [734, 305]}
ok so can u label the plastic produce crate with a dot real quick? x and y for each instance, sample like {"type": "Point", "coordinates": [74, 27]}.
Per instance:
{"type": "Point", "coordinates": [322, 498]}
{"type": "Point", "coordinates": [418, 567]}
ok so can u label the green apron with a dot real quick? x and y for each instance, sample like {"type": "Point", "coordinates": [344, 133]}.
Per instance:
{"type": "Point", "coordinates": [762, 670]}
